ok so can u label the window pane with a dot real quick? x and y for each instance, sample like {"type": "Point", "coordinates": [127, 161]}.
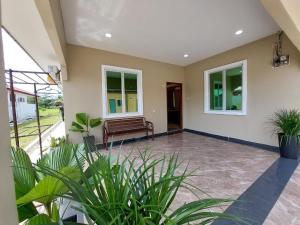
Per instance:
{"type": "Point", "coordinates": [234, 88]}
{"type": "Point", "coordinates": [130, 81]}
{"type": "Point", "coordinates": [216, 91]}
{"type": "Point", "coordinates": [30, 100]}
{"type": "Point", "coordinates": [114, 92]}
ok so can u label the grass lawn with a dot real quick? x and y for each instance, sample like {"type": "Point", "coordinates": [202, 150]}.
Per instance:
{"type": "Point", "coordinates": [47, 117]}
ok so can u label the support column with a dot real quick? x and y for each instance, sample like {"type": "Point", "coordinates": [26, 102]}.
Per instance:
{"type": "Point", "coordinates": [8, 210]}
{"type": "Point", "coordinates": [38, 119]}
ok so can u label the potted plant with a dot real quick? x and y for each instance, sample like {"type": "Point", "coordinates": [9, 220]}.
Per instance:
{"type": "Point", "coordinates": [287, 125]}
{"type": "Point", "coordinates": [83, 124]}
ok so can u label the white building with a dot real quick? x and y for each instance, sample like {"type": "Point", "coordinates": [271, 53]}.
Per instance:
{"type": "Point", "coordinates": [25, 105]}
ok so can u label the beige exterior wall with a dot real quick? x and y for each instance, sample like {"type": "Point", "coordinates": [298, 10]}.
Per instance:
{"type": "Point", "coordinates": [8, 209]}
{"type": "Point", "coordinates": [83, 90]}
{"type": "Point", "coordinates": [268, 90]}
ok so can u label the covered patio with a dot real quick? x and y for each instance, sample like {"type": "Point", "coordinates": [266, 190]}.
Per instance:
{"type": "Point", "coordinates": [206, 77]}
{"type": "Point", "coordinates": [265, 186]}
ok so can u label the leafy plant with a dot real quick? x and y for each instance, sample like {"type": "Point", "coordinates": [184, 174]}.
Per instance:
{"type": "Point", "coordinates": [287, 122]}
{"type": "Point", "coordinates": [34, 187]}
{"type": "Point", "coordinates": [83, 123]}
{"type": "Point", "coordinates": [56, 142]}
{"type": "Point", "coordinates": [136, 190]}
{"type": "Point", "coordinates": [46, 102]}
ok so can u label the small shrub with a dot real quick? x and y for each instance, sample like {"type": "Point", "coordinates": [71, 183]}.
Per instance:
{"type": "Point", "coordinates": [287, 122]}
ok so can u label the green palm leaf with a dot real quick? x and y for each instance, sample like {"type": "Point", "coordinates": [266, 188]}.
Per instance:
{"type": "Point", "coordinates": [49, 188]}
{"type": "Point", "coordinates": [26, 211]}
{"type": "Point", "coordinates": [196, 210]}
{"type": "Point", "coordinates": [55, 212]}
{"type": "Point", "coordinates": [62, 156]}
{"type": "Point", "coordinates": [24, 177]}
{"type": "Point", "coordinates": [83, 122]}
{"type": "Point", "coordinates": [95, 122]}
{"type": "Point", "coordinates": [82, 118]}
{"type": "Point", "coordinates": [23, 171]}
{"type": "Point", "coordinates": [40, 219]}
{"type": "Point", "coordinates": [137, 190]}
{"type": "Point", "coordinates": [64, 223]}
{"type": "Point", "coordinates": [76, 127]}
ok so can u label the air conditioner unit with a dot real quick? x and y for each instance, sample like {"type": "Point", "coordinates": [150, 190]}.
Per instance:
{"type": "Point", "coordinates": [54, 72]}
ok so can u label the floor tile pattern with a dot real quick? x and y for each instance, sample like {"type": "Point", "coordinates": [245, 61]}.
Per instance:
{"type": "Point", "coordinates": [227, 170]}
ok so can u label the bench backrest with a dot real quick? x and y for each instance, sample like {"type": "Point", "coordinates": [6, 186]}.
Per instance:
{"type": "Point", "coordinates": [113, 125]}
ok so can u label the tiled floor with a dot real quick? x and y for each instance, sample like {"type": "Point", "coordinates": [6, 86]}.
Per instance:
{"type": "Point", "coordinates": [286, 211]}
{"type": "Point", "coordinates": [226, 170]}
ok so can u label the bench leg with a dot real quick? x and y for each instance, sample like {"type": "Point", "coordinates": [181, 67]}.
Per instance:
{"type": "Point", "coordinates": [147, 134]}
{"type": "Point", "coordinates": [152, 134]}
{"type": "Point", "coordinates": [105, 140]}
{"type": "Point", "coordinates": [106, 143]}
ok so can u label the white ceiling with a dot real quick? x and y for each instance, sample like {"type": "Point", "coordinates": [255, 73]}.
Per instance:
{"type": "Point", "coordinates": [165, 30]}
{"type": "Point", "coordinates": [22, 20]}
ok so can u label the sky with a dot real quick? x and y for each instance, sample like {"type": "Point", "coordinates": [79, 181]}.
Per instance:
{"type": "Point", "coordinates": [16, 58]}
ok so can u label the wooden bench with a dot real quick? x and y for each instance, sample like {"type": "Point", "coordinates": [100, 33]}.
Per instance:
{"type": "Point", "coordinates": [114, 127]}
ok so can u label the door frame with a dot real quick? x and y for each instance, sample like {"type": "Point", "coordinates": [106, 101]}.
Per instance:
{"type": "Point", "coordinates": [180, 107]}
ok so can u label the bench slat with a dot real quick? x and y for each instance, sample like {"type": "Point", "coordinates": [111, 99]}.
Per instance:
{"type": "Point", "coordinates": [124, 122]}
{"type": "Point", "coordinates": [125, 126]}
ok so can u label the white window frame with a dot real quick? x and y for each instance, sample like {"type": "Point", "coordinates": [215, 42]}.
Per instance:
{"type": "Point", "coordinates": [222, 69]}
{"type": "Point", "coordinates": [122, 70]}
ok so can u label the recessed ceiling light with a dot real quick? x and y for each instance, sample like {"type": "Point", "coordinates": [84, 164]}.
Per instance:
{"type": "Point", "coordinates": [108, 35]}
{"type": "Point", "coordinates": [185, 55]}
{"type": "Point", "coordinates": [238, 32]}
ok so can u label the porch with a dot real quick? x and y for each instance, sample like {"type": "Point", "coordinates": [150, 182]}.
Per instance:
{"type": "Point", "coordinates": [190, 67]}
{"type": "Point", "coordinates": [266, 187]}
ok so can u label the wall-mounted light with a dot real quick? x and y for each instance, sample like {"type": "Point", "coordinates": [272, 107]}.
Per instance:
{"type": "Point", "coordinates": [279, 59]}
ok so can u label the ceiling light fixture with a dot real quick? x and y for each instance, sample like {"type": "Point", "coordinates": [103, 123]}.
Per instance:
{"type": "Point", "coordinates": [239, 32]}
{"type": "Point", "coordinates": [185, 55]}
{"type": "Point", "coordinates": [108, 35]}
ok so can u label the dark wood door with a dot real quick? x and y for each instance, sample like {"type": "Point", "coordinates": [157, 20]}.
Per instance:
{"type": "Point", "coordinates": [174, 106]}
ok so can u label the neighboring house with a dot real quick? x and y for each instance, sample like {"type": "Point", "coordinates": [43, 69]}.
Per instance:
{"type": "Point", "coordinates": [25, 105]}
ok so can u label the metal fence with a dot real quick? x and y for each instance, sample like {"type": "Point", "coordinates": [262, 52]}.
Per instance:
{"type": "Point", "coordinates": [42, 83]}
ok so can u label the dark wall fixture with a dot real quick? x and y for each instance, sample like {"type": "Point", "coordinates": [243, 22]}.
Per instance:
{"type": "Point", "coordinates": [279, 58]}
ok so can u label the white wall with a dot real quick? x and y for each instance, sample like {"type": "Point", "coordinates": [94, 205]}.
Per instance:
{"type": "Point", "coordinates": [23, 109]}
